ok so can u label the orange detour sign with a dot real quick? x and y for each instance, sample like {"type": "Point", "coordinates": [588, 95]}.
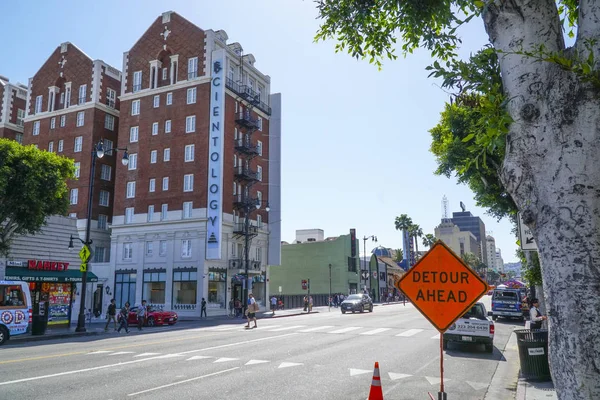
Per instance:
{"type": "Point", "coordinates": [441, 286]}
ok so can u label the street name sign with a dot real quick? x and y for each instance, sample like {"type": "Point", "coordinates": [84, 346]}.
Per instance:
{"type": "Point", "coordinates": [441, 286]}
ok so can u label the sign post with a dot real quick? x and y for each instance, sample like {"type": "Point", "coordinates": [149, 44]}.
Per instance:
{"type": "Point", "coordinates": [443, 288]}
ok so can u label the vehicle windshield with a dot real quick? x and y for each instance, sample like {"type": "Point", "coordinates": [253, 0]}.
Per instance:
{"type": "Point", "coordinates": [505, 295]}
{"type": "Point", "coordinates": [475, 312]}
{"type": "Point", "coordinates": [354, 297]}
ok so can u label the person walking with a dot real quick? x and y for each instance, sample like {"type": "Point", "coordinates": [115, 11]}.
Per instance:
{"type": "Point", "coordinates": [273, 304]}
{"type": "Point", "coordinates": [203, 308]}
{"type": "Point", "coordinates": [535, 316]}
{"type": "Point", "coordinates": [111, 315]}
{"type": "Point", "coordinates": [141, 315]}
{"type": "Point", "coordinates": [305, 303]}
{"type": "Point", "coordinates": [231, 309]}
{"type": "Point", "coordinates": [252, 309]}
{"type": "Point", "coordinates": [124, 318]}
{"type": "Point", "coordinates": [310, 303]}
{"type": "Point", "coordinates": [238, 308]}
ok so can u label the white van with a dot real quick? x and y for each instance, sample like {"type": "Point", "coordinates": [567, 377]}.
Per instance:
{"type": "Point", "coordinates": [473, 327]}
{"type": "Point", "coordinates": [15, 309]}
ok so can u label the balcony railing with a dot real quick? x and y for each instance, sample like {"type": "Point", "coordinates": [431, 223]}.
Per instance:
{"type": "Point", "coordinates": [242, 201]}
{"type": "Point", "coordinates": [245, 174]}
{"type": "Point", "coordinates": [246, 147]}
{"type": "Point", "coordinates": [241, 91]}
{"type": "Point", "coordinates": [244, 118]}
{"type": "Point", "coordinates": [240, 229]}
{"type": "Point", "coordinates": [236, 263]}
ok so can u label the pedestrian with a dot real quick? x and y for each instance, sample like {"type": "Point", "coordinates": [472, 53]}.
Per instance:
{"type": "Point", "coordinates": [273, 304]}
{"type": "Point", "coordinates": [231, 309]}
{"type": "Point", "coordinates": [251, 310]}
{"type": "Point", "coordinates": [310, 303]}
{"type": "Point", "coordinates": [203, 308]}
{"type": "Point", "coordinates": [124, 318]}
{"type": "Point", "coordinates": [305, 303]}
{"type": "Point", "coordinates": [535, 316]}
{"type": "Point", "coordinates": [141, 315]}
{"type": "Point", "coordinates": [111, 315]}
{"type": "Point", "coordinates": [238, 308]}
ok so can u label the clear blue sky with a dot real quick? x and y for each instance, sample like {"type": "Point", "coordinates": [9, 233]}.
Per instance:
{"type": "Point", "coordinates": [355, 139]}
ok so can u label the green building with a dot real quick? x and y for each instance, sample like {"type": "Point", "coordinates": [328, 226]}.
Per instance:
{"type": "Point", "coordinates": [311, 260]}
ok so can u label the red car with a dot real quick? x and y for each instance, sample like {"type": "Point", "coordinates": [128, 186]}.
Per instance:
{"type": "Point", "coordinates": [153, 317]}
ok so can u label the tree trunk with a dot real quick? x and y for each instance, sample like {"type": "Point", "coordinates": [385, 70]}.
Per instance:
{"type": "Point", "coordinates": [552, 171]}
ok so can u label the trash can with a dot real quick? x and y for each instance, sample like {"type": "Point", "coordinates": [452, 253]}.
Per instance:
{"type": "Point", "coordinates": [533, 354]}
{"type": "Point", "coordinates": [39, 319]}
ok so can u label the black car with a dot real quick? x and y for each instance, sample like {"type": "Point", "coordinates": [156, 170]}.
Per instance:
{"type": "Point", "coordinates": [357, 302]}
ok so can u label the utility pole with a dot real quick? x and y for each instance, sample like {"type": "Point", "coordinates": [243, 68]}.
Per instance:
{"type": "Point", "coordinates": [329, 299]}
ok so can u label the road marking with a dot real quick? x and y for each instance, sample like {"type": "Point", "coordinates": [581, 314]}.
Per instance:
{"type": "Point", "coordinates": [344, 330]}
{"type": "Point", "coordinates": [286, 328]}
{"type": "Point", "coordinates": [477, 385]}
{"type": "Point", "coordinates": [230, 328]}
{"type": "Point", "coordinates": [354, 371]}
{"type": "Point", "coordinates": [435, 380]}
{"type": "Point", "coordinates": [394, 376]}
{"type": "Point", "coordinates": [35, 378]}
{"type": "Point", "coordinates": [122, 352]}
{"type": "Point", "coordinates": [185, 381]}
{"type": "Point", "coordinates": [436, 336]}
{"type": "Point", "coordinates": [318, 328]}
{"type": "Point", "coordinates": [410, 332]}
{"type": "Point", "coordinates": [225, 359]}
{"type": "Point", "coordinates": [375, 331]}
{"type": "Point", "coordinates": [289, 364]}
{"type": "Point", "coordinates": [100, 352]}
{"type": "Point", "coordinates": [252, 362]}
{"type": "Point", "coordinates": [147, 354]}
{"type": "Point", "coordinates": [198, 358]}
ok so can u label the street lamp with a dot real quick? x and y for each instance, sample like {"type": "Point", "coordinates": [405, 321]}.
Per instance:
{"type": "Point", "coordinates": [98, 151]}
{"type": "Point", "coordinates": [373, 238]}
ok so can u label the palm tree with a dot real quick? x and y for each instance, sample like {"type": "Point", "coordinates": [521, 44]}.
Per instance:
{"type": "Point", "coordinates": [399, 255]}
{"type": "Point", "coordinates": [471, 259]}
{"type": "Point", "coordinates": [403, 223]}
{"type": "Point", "coordinates": [429, 240]}
{"type": "Point", "coordinates": [415, 232]}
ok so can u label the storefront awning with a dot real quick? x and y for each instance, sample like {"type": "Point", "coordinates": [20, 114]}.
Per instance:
{"type": "Point", "coordinates": [29, 275]}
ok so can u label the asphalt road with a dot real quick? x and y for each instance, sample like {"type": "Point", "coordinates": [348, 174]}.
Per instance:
{"type": "Point", "coordinates": [318, 356]}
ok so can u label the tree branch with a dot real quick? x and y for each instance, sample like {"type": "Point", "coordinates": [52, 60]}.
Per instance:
{"type": "Point", "coordinates": [589, 25]}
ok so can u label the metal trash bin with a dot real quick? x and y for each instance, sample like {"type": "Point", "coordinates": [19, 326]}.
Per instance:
{"type": "Point", "coordinates": [533, 354]}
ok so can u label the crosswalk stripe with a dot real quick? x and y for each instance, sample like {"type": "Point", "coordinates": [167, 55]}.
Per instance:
{"type": "Point", "coordinates": [344, 330]}
{"type": "Point", "coordinates": [230, 328]}
{"type": "Point", "coordinates": [122, 352]}
{"type": "Point", "coordinates": [317, 328]}
{"type": "Point", "coordinates": [285, 328]}
{"type": "Point", "coordinates": [436, 336]}
{"type": "Point", "coordinates": [147, 354]}
{"type": "Point", "coordinates": [410, 332]}
{"type": "Point", "coordinates": [375, 331]}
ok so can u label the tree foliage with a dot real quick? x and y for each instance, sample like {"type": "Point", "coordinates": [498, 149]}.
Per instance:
{"type": "Point", "coordinates": [33, 186]}
{"type": "Point", "coordinates": [429, 240]}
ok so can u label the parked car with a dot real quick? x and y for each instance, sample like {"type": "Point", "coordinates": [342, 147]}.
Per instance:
{"type": "Point", "coordinates": [473, 327]}
{"type": "Point", "coordinates": [15, 309]}
{"type": "Point", "coordinates": [357, 302]}
{"type": "Point", "coordinates": [153, 317]}
{"type": "Point", "coordinates": [507, 303]}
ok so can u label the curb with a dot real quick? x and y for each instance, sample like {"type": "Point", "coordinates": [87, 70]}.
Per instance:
{"type": "Point", "coordinates": [504, 383]}
{"type": "Point", "coordinates": [29, 338]}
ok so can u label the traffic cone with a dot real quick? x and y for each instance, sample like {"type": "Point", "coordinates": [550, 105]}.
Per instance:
{"type": "Point", "coordinates": [376, 393]}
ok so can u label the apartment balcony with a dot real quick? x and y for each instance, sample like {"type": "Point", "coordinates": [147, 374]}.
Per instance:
{"type": "Point", "coordinates": [248, 94]}
{"type": "Point", "coordinates": [239, 229]}
{"type": "Point", "coordinates": [241, 202]}
{"type": "Point", "coordinates": [236, 263]}
{"type": "Point", "coordinates": [244, 146]}
{"type": "Point", "coordinates": [245, 119]}
{"type": "Point", "coordinates": [246, 175]}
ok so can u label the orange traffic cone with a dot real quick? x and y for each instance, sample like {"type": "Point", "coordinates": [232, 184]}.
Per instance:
{"type": "Point", "coordinates": [376, 393]}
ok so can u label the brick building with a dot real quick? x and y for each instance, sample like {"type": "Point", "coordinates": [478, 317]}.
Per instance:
{"type": "Point", "coordinates": [72, 104]}
{"type": "Point", "coordinates": [12, 109]}
{"type": "Point", "coordinates": [203, 134]}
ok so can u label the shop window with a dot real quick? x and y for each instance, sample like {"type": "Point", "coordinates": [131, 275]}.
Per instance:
{"type": "Point", "coordinates": [11, 296]}
{"type": "Point", "coordinates": [154, 287]}
{"type": "Point", "coordinates": [125, 288]}
{"type": "Point", "coordinates": [185, 283]}
{"type": "Point", "coordinates": [59, 295]}
{"type": "Point", "coordinates": [216, 289]}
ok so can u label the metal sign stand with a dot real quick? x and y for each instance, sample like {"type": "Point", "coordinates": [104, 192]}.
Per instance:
{"type": "Point", "coordinates": [441, 393]}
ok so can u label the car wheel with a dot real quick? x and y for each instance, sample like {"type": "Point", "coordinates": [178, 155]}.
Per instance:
{"type": "Point", "coordinates": [343, 312]}
{"type": "Point", "coordinates": [371, 309]}
{"type": "Point", "coordinates": [151, 321]}
{"type": "Point", "coordinates": [362, 309]}
{"type": "Point", "coordinates": [489, 348]}
{"type": "Point", "coordinates": [3, 335]}
{"type": "Point", "coordinates": [444, 344]}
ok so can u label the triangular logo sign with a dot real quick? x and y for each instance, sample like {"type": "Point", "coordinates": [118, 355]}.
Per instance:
{"type": "Point", "coordinates": [212, 238]}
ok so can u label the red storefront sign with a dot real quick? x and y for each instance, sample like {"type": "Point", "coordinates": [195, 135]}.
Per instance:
{"type": "Point", "coordinates": [43, 265]}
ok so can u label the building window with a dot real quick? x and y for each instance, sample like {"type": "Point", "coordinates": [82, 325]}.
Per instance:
{"type": "Point", "coordinates": [99, 253]}
{"type": "Point", "coordinates": [73, 215]}
{"type": "Point", "coordinates": [108, 146]}
{"type": "Point", "coordinates": [137, 81]}
{"type": "Point", "coordinates": [259, 172]}
{"type": "Point", "coordinates": [155, 128]}
{"type": "Point", "coordinates": [102, 222]}
{"type": "Point", "coordinates": [164, 209]}
{"type": "Point", "coordinates": [167, 155]}
{"type": "Point", "coordinates": [63, 121]}
{"type": "Point", "coordinates": [217, 288]}
{"type": "Point", "coordinates": [82, 92]}
{"type": "Point", "coordinates": [165, 184]}
{"type": "Point", "coordinates": [135, 107]}
{"type": "Point", "coordinates": [193, 68]}
{"type": "Point", "coordinates": [132, 162]}
{"type": "Point", "coordinates": [152, 185]}
{"type": "Point", "coordinates": [235, 160]}
{"type": "Point", "coordinates": [259, 220]}
{"type": "Point", "coordinates": [189, 153]}
{"type": "Point", "coordinates": [259, 147]}
{"type": "Point", "coordinates": [259, 197]}
{"type": "Point", "coordinates": [131, 190]}
{"type": "Point", "coordinates": [186, 248]}
{"type": "Point", "coordinates": [231, 73]}
{"type": "Point", "coordinates": [19, 138]}
{"type": "Point", "coordinates": [80, 118]}
{"type": "Point", "coordinates": [153, 157]}
{"type": "Point", "coordinates": [62, 98]}
{"type": "Point", "coordinates": [36, 128]}
{"type": "Point", "coordinates": [169, 99]}
{"type": "Point", "coordinates": [125, 286]}
{"type": "Point", "coordinates": [258, 254]}
{"type": "Point", "coordinates": [38, 104]}
{"type": "Point", "coordinates": [106, 172]}
{"type": "Point", "coordinates": [154, 286]}
{"type": "Point", "coordinates": [260, 89]}
{"type": "Point", "coordinates": [129, 215]}
{"type": "Point", "coordinates": [190, 124]}
{"type": "Point", "coordinates": [185, 289]}
{"type": "Point", "coordinates": [51, 147]}
{"type": "Point", "coordinates": [162, 248]}
{"type": "Point", "coordinates": [109, 122]}
{"type": "Point", "coordinates": [156, 101]}
{"type": "Point", "coordinates": [52, 122]}
{"type": "Point", "coordinates": [111, 97]}
{"type": "Point", "coordinates": [134, 134]}
{"type": "Point", "coordinates": [260, 121]}
{"type": "Point", "coordinates": [127, 251]}
{"type": "Point", "coordinates": [191, 96]}
{"type": "Point", "coordinates": [77, 169]}
{"type": "Point", "coordinates": [104, 198]}
{"type": "Point", "coordinates": [234, 188]}
{"type": "Point", "coordinates": [149, 249]}
{"type": "Point", "coordinates": [168, 126]}
{"type": "Point", "coordinates": [74, 196]}
{"type": "Point", "coordinates": [188, 183]}
{"type": "Point", "coordinates": [187, 209]}
{"type": "Point", "coordinates": [61, 144]}
{"type": "Point", "coordinates": [78, 144]}
{"type": "Point", "coordinates": [150, 214]}
{"type": "Point", "coordinates": [165, 74]}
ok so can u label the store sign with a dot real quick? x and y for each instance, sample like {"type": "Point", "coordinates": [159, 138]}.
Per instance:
{"type": "Point", "coordinates": [15, 264]}
{"type": "Point", "coordinates": [42, 265]}
{"type": "Point", "coordinates": [215, 160]}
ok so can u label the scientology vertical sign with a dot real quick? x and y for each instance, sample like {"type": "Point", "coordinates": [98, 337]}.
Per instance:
{"type": "Point", "coordinates": [214, 223]}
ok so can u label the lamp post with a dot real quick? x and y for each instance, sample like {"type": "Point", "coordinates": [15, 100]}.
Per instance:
{"type": "Point", "coordinates": [249, 206]}
{"type": "Point", "coordinates": [373, 238]}
{"type": "Point", "coordinates": [329, 300]}
{"type": "Point", "coordinates": [98, 151]}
